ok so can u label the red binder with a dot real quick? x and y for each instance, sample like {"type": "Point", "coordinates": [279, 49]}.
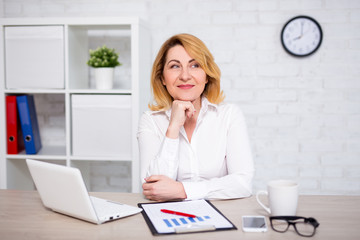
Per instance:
{"type": "Point", "coordinates": [15, 141]}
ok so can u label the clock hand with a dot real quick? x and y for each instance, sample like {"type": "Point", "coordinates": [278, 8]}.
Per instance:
{"type": "Point", "coordinates": [301, 32]}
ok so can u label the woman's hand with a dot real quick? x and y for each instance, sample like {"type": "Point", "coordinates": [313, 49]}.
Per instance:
{"type": "Point", "coordinates": [181, 110]}
{"type": "Point", "coordinates": [162, 188]}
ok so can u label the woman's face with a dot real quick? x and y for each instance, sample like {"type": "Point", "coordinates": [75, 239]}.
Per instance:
{"type": "Point", "coordinates": [183, 77]}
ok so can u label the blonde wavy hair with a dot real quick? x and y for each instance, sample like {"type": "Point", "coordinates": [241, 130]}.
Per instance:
{"type": "Point", "coordinates": [197, 50]}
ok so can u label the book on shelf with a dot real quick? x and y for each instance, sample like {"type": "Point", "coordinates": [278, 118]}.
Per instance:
{"type": "Point", "coordinates": [29, 123]}
{"type": "Point", "coordinates": [15, 141]}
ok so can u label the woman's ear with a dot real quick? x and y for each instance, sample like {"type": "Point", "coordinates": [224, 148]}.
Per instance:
{"type": "Point", "coordinates": [162, 80]}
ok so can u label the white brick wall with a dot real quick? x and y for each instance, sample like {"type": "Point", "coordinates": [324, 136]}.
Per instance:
{"type": "Point", "coordinates": [303, 114]}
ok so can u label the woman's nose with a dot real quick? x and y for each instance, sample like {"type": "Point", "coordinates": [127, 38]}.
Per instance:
{"type": "Point", "coordinates": [185, 74]}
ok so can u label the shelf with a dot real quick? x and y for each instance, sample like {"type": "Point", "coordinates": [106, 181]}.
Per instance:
{"type": "Point", "coordinates": [46, 153]}
{"type": "Point", "coordinates": [72, 91]}
{"type": "Point", "coordinates": [120, 158]}
{"type": "Point", "coordinates": [56, 109]}
{"type": "Point", "coordinates": [34, 91]}
{"type": "Point", "coordinates": [96, 91]}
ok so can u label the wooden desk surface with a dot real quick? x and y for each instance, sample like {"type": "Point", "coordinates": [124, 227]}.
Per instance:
{"type": "Point", "coordinates": [22, 216]}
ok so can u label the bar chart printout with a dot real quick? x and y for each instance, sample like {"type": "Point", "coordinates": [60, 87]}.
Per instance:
{"type": "Point", "coordinates": [206, 215]}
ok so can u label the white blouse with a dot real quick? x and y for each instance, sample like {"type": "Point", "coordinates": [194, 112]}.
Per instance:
{"type": "Point", "coordinates": [216, 164]}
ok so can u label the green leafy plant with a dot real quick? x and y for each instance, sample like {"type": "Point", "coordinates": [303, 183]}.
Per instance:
{"type": "Point", "coordinates": [103, 57]}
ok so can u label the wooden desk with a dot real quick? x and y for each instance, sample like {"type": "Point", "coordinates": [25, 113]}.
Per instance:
{"type": "Point", "coordinates": [22, 216]}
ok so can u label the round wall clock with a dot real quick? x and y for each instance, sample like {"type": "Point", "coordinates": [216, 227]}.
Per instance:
{"type": "Point", "coordinates": [301, 36]}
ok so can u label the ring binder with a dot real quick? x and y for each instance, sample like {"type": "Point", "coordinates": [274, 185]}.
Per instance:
{"type": "Point", "coordinates": [29, 123]}
{"type": "Point", "coordinates": [15, 141]}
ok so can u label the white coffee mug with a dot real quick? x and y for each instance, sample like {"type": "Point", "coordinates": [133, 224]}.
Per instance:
{"type": "Point", "coordinates": [282, 196]}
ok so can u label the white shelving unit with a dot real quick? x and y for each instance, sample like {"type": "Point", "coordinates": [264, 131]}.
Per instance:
{"type": "Point", "coordinates": [131, 80]}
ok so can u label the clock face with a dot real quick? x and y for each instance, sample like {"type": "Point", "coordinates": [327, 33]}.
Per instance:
{"type": "Point", "coordinates": [301, 36]}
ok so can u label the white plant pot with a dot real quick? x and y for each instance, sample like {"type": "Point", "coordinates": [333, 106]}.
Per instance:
{"type": "Point", "coordinates": [104, 78]}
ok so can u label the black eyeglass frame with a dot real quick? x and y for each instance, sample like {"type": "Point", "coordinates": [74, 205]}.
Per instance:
{"type": "Point", "coordinates": [290, 221]}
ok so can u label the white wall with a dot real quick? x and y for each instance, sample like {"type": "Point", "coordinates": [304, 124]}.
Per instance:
{"type": "Point", "coordinates": [303, 114]}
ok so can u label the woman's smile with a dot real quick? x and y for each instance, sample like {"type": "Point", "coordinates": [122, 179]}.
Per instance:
{"type": "Point", "coordinates": [185, 86]}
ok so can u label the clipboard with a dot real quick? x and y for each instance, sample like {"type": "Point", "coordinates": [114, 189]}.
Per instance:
{"type": "Point", "coordinates": [208, 217]}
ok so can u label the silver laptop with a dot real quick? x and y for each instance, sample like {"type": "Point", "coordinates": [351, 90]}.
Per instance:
{"type": "Point", "coordinates": [63, 190]}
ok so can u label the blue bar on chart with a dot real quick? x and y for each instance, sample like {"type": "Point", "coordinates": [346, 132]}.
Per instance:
{"type": "Point", "coordinates": [167, 223]}
{"type": "Point", "coordinates": [183, 221]}
{"type": "Point", "coordinates": [175, 222]}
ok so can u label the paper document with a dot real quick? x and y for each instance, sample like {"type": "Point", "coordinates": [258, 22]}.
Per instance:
{"type": "Point", "coordinates": [207, 217]}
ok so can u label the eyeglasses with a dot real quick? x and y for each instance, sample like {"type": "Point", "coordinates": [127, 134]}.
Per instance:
{"type": "Point", "coordinates": [305, 227]}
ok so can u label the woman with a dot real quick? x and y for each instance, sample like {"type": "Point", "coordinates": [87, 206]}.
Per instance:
{"type": "Point", "coordinates": [192, 145]}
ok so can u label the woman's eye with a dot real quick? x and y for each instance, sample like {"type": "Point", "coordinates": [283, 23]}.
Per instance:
{"type": "Point", "coordinates": [174, 66]}
{"type": "Point", "coordinates": [195, 65]}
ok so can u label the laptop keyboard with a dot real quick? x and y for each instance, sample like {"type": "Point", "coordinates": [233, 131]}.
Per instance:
{"type": "Point", "coordinates": [106, 208]}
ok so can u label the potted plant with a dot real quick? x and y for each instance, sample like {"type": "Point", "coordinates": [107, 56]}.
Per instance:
{"type": "Point", "coordinates": [103, 60]}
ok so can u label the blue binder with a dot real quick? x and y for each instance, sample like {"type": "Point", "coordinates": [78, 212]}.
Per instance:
{"type": "Point", "coordinates": [29, 123]}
